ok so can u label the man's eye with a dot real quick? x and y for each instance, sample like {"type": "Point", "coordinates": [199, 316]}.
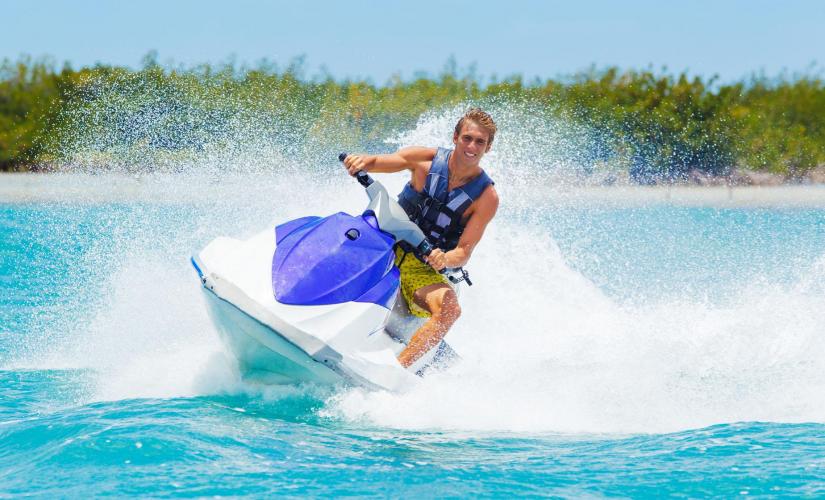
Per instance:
{"type": "Point", "coordinates": [481, 142]}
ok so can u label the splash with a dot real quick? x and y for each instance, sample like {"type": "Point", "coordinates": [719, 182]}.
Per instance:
{"type": "Point", "coordinates": [533, 146]}
{"type": "Point", "coordinates": [546, 351]}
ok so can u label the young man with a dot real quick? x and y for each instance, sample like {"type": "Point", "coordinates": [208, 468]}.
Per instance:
{"type": "Point", "coordinates": [452, 200]}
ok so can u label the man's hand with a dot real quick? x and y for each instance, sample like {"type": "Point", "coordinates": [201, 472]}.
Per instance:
{"type": "Point", "coordinates": [354, 164]}
{"type": "Point", "coordinates": [437, 259]}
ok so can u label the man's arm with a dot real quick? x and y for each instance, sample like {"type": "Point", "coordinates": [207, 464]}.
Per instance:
{"type": "Point", "coordinates": [483, 214]}
{"type": "Point", "coordinates": [411, 158]}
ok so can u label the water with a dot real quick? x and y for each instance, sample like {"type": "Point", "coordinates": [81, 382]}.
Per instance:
{"type": "Point", "coordinates": [610, 349]}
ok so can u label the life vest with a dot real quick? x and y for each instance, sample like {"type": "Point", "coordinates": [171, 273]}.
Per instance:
{"type": "Point", "coordinates": [437, 211]}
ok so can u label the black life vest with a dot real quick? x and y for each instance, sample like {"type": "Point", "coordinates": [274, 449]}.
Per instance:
{"type": "Point", "coordinates": [437, 211]}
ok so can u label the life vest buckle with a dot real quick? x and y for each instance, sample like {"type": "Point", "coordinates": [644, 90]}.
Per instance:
{"type": "Point", "coordinates": [430, 202]}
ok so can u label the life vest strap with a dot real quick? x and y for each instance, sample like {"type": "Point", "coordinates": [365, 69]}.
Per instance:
{"type": "Point", "coordinates": [437, 210]}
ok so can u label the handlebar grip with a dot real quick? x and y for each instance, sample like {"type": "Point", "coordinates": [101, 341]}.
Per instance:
{"type": "Point", "coordinates": [363, 178]}
{"type": "Point", "coordinates": [425, 248]}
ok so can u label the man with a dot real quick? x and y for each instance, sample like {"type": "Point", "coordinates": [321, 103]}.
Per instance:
{"type": "Point", "coordinates": [452, 200]}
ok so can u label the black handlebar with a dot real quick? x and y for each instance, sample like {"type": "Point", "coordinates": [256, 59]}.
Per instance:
{"type": "Point", "coordinates": [424, 248]}
{"type": "Point", "coordinates": [363, 178]}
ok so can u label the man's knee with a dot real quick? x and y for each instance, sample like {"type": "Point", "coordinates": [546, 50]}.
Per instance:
{"type": "Point", "coordinates": [446, 308]}
{"type": "Point", "coordinates": [441, 301]}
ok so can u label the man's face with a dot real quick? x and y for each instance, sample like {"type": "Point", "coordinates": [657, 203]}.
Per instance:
{"type": "Point", "coordinates": [471, 143]}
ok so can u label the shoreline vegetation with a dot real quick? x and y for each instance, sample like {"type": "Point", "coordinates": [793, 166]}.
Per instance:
{"type": "Point", "coordinates": [641, 127]}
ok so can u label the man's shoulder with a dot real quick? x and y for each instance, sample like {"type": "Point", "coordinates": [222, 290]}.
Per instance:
{"type": "Point", "coordinates": [489, 197]}
{"type": "Point", "coordinates": [487, 201]}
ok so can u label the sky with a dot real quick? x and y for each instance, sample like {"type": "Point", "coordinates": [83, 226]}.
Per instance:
{"type": "Point", "coordinates": [378, 39]}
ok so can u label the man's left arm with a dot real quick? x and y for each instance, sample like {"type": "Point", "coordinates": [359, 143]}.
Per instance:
{"type": "Point", "coordinates": [483, 214]}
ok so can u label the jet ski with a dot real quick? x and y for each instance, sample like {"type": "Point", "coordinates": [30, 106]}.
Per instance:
{"type": "Point", "coordinates": [316, 299]}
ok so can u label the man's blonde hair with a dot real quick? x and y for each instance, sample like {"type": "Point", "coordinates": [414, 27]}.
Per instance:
{"type": "Point", "coordinates": [482, 118]}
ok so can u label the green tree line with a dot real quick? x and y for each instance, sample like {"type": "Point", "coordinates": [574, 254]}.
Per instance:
{"type": "Point", "coordinates": [662, 126]}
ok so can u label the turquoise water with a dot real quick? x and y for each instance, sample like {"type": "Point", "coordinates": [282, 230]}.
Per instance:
{"type": "Point", "coordinates": [609, 350]}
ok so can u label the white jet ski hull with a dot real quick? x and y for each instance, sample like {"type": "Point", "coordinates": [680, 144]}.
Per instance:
{"type": "Point", "coordinates": [264, 355]}
{"type": "Point", "coordinates": [282, 343]}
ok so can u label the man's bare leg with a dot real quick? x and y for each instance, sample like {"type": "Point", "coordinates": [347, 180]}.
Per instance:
{"type": "Point", "coordinates": [442, 303]}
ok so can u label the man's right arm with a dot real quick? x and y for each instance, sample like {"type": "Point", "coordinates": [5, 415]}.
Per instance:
{"type": "Point", "coordinates": [411, 158]}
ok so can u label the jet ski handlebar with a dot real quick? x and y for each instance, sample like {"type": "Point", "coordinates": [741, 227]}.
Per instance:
{"type": "Point", "coordinates": [425, 248]}
{"type": "Point", "coordinates": [363, 178]}
{"type": "Point", "coordinates": [455, 275]}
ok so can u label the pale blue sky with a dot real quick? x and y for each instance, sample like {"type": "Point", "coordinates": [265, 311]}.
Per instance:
{"type": "Point", "coordinates": [376, 39]}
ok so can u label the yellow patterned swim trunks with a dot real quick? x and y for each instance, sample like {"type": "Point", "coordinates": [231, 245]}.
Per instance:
{"type": "Point", "coordinates": [414, 275]}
